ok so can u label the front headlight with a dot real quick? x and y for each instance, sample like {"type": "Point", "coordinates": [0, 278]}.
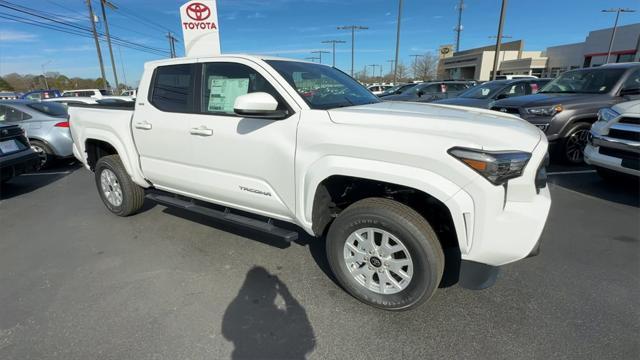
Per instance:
{"type": "Point", "coordinates": [495, 166]}
{"type": "Point", "coordinates": [545, 110]}
{"type": "Point", "coordinates": [607, 114]}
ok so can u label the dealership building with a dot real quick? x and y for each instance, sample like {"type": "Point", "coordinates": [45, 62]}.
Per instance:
{"type": "Point", "coordinates": [477, 63]}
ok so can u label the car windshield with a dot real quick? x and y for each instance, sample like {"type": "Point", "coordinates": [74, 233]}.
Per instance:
{"type": "Point", "coordinates": [399, 89]}
{"type": "Point", "coordinates": [592, 81]}
{"type": "Point", "coordinates": [323, 87]}
{"type": "Point", "coordinates": [49, 108]}
{"type": "Point", "coordinates": [484, 91]}
{"type": "Point", "coordinates": [106, 92]}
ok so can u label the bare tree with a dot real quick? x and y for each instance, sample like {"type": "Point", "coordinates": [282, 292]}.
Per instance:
{"type": "Point", "coordinates": [425, 67]}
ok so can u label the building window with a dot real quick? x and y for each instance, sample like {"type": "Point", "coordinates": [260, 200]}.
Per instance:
{"type": "Point", "coordinates": [625, 58]}
{"type": "Point", "coordinates": [587, 61]}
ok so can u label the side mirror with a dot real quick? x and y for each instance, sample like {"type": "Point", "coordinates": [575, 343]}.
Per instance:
{"type": "Point", "coordinates": [419, 93]}
{"type": "Point", "coordinates": [258, 105]}
{"type": "Point", "coordinates": [502, 96]}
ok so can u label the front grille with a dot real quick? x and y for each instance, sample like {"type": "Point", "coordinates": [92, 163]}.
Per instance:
{"type": "Point", "coordinates": [506, 109]}
{"type": "Point", "coordinates": [624, 134]}
{"type": "Point", "coordinates": [629, 159]}
{"type": "Point", "coordinates": [629, 120]}
{"type": "Point", "coordinates": [10, 132]}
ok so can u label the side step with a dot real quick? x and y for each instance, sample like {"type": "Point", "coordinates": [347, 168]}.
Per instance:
{"type": "Point", "coordinates": [225, 216]}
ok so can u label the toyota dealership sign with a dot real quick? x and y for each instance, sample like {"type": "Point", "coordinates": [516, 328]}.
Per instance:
{"type": "Point", "coordinates": [199, 22]}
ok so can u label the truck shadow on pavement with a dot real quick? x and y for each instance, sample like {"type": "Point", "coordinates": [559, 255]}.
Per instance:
{"type": "Point", "coordinates": [265, 321]}
{"type": "Point", "coordinates": [624, 191]}
{"type": "Point", "coordinates": [27, 183]}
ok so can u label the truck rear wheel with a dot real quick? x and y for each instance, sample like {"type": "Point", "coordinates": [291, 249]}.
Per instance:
{"type": "Point", "coordinates": [118, 192]}
{"type": "Point", "coordinates": [385, 254]}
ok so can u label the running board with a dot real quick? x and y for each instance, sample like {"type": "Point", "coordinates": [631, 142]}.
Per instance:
{"type": "Point", "coordinates": [225, 216]}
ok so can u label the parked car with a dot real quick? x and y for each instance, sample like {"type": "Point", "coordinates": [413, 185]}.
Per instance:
{"type": "Point", "coordinates": [614, 144]}
{"type": "Point", "coordinates": [16, 155]}
{"type": "Point", "coordinates": [566, 107]}
{"type": "Point", "coordinates": [37, 95]}
{"type": "Point", "coordinates": [390, 184]}
{"type": "Point", "coordinates": [431, 91]}
{"type": "Point", "coordinates": [105, 100]}
{"type": "Point", "coordinates": [73, 100]}
{"type": "Point", "coordinates": [131, 92]}
{"type": "Point", "coordinates": [378, 89]}
{"type": "Point", "coordinates": [511, 77]}
{"type": "Point", "coordinates": [398, 89]}
{"type": "Point", "coordinates": [482, 96]}
{"type": "Point", "coordinates": [8, 95]}
{"type": "Point", "coordinates": [46, 124]}
{"type": "Point", "coordinates": [94, 93]}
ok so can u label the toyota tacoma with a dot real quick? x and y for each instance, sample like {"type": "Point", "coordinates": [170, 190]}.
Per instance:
{"type": "Point", "coordinates": [390, 186]}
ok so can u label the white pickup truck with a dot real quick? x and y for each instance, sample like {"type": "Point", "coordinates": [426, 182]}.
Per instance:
{"type": "Point", "coordinates": [390, 186]}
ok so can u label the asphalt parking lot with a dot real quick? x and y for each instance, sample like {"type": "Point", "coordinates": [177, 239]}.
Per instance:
{"type": "Point", "coordinates": [79, 283]}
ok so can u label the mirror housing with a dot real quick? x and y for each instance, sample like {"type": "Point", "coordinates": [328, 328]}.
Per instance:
{"type": "Point", "coordinates": [258, 105]}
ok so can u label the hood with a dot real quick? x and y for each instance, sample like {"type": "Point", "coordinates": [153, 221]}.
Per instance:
{"type": "Point", "coordinates": [470, 127]}
{"type": "Point", "coordinates": [479, 103]}
{"type": "Point", "coordinates": [628, 107]}
{"type": "Point", "coordinates": [548, 99]}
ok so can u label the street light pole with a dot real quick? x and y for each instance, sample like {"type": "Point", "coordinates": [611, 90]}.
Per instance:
{"type": "Point", "coordinates": [615, 27]}
{"type": "Point", "coordinates": [415, 65]}
{"type": "Point", "coordinates": [320, 52]}
{"type": "Point", "coordinates": [353, 29]}
{"type": "Point", "coordinates": [333, 44]}
{"type": "Point", "coordinates": [395, 69]}
{"type": "Point", "coordinates": [496, 58]}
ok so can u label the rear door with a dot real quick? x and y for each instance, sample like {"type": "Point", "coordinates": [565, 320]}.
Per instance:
{"type": "Point", "coordinates": [161, 125]}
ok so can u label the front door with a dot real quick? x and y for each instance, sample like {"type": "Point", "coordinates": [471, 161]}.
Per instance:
{"type": "Point", "coordinates": [245, 163]}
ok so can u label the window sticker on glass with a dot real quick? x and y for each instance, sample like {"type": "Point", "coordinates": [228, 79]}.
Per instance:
{"type": "Point", "coordinates": [224, 93]}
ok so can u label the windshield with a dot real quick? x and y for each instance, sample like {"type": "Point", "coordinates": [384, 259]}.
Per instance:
{"type": "Point", "coordinates": [593, 81]}
{"type": "Point", "coordinates": [50, 108]}
{"type": "Point", "coordinates": [484, 91]}
{"type": "Point", "coordinates": [323, 87]}
{"type": "Point", "coordinates": [399, 89]}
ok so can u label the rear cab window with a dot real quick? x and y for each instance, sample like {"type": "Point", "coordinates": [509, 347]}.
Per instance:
{"type": "Point", "coordinates": [172, 88]}
{"type": "Point", "coordinates": [50, 108]}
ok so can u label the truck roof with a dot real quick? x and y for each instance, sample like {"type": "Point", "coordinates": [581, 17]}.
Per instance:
{"type": "Point", "coordinates": [182, 60]}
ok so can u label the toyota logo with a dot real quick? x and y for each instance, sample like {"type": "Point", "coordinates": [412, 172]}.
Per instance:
{"type": "Point", "coordinates": [198, 11]}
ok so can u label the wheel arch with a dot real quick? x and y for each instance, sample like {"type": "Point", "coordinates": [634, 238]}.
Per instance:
{"type": "Point", "coordinates": [100, 143]}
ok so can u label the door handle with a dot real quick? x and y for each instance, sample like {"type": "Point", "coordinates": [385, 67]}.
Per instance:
{"type": "Point", "coordinates": [143, 125]}
{"type": "Point", "coordinates": [201, 131]}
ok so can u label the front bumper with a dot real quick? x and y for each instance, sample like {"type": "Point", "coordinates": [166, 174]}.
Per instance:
{"type": "Point", "coordinates": [626, 165]}
{"type": "Point", "coordinates": [502, 224]}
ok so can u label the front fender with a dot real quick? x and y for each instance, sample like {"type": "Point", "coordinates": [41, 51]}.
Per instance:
{"type": "Point", "coordinates": [420, 179]}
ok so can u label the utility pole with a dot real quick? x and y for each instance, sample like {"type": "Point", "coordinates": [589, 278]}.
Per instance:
{"type": "Point", "coordinates": [353, 29]}
{"type": "Point", "coordinates": [172, 44]}
{"type": "Point", "coordinates": [392, 63]}
{"type": "Point", "coordinates": [44, 76]}
{"type": "Point", "coordinates": [374, 69]}
{"type": "Point", "coordinates": [320, 52]}
{"type": "Point", "coordinates": [312, 58]}
{"type": "Point", "coordinates": [92, 18]}
{"type": "Point", "coordinates": [415, 65]}
{"type": "Point", "coordinates": [395, 69]}
{"type": "Point", "coordinates": [458, 28]}
{"type": "Point", "coordinates": [496, 58]}
{"type": "Point", "coordinates": [106, 30]}
{"type": "Point", "coordinates": [124, 73]}
{"type": "Point", "coordinates": [333, 44]}
{"type": "Point", "coordinates": [615, 27]}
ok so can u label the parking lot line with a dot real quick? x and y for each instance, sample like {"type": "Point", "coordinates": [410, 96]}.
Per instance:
{"type": "Point", "coordinates": [48, 173]}
{"type": "Point", "coordinates": [572, 172]}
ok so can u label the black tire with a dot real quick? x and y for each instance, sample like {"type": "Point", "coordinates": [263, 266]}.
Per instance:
{"type": "Point", "coordinates": [46, 154]}
{"type": "Point", "coordinates": [411, 229]}
{"type": "Point", "coordinates": [132, 194]}
{"type": "Point", "coordinates": [573, 144]}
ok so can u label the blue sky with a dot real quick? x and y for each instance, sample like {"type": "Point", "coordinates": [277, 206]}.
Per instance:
{"type": "Point", "coordinates": [294, 28]}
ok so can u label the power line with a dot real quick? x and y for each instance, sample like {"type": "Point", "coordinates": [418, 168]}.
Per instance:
{"type": "Point", "coordinates": [131, 13]}
{"type": "Point", "coordinates": [37, 13]}
{"type": "Point", "coordinates": [31, 22]}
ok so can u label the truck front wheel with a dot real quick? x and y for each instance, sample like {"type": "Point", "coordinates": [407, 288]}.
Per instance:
{"type": "Point", "coordinates": [385, 254]}
{"type": "Point", "coordinates": [118, 192]}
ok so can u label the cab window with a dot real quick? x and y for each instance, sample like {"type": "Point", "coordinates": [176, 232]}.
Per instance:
{"type": "Point", "coordinates": [10, 114]}
{"type": "Point", "coordinates": [172, 88]}
{"type": "Point", "coordinates": [223, 82]}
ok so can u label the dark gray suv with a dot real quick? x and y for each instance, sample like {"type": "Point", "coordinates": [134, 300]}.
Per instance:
{"type": "Point", "coordinates": [566, 107]}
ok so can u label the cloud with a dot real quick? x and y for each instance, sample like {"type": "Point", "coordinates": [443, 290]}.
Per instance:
{"type": "Point", "coordinates": [438, 16]}
{"type": "Point", "coordinates": [80, 48]}
{"type": "Point", "coordinates": [256, 15]}
{"type": "Point", "coordinates": [387, 14]}
{"type": "Point", "coordinates": [9, 35]}
{"type": "Point", "coordinates": [308, 51]}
